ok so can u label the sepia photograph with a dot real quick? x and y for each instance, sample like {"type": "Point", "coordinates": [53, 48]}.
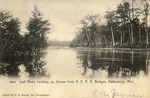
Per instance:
{"type": "Point", "coordinates": [75, 48]}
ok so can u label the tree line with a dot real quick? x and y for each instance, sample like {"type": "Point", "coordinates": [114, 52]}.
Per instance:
{"type": "Point", "coordinates": [16, 49]}
{"type": "Point", "coordinates": [58, 43]}
{"type": "Point", "coordinates": [126, 26]}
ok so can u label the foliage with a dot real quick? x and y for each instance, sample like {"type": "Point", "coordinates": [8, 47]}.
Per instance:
{"type": "Point", "coordinates": [9, 36]}
{"type": "Point", "coordinates": [16, 49]}
{"type": "Point", "coordinates": [123, 28]}
{"type": "Point", "coordinates": [9, 39]}
{"type": "Point", "coordinates": [36, 39]}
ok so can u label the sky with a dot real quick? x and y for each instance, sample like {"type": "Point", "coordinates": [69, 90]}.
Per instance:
{"type": "Point", "coordinates": [63, 15]}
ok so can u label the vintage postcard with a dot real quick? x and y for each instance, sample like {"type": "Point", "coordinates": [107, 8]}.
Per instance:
{"type": "Point", "coordinates": [74, 49]}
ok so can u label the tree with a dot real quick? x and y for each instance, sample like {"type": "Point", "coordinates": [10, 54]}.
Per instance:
{"type": "Point", "coordinates": [36, 37]}
{"type": "Point", "coordinates": [110, 16]}
{"type": "Point", "coordinates": [146, 13]}
{"type": "Point", "coordinates": [9, 36]}
{"type": "Point", "coordinates": [123, 27]}
{"type": "Point", "coordinates": [123, 11]}
{"type": "Point", "coordinates": [89, 31]}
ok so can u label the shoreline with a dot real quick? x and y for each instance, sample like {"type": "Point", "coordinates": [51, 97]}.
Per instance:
{"type": "Point", "coordinates": [110, 48]}
{"type": "Point", "coordinates": [119, 48]}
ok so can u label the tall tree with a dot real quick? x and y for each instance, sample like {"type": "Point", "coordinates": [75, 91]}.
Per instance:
{"type": "Point", "coordinates": [90, 29]}
{"type": "Point", "coordinates": [36, 37]}
{"type": "Point", "coordinates": [110, 16]}
{"type": "Point", "coordinates": [146, 13]}
{"type": "Point", "coordinates": [9, 36]}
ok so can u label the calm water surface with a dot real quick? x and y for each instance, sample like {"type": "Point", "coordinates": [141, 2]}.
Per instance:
{"type": "Point", "coordinates": [78, 63]}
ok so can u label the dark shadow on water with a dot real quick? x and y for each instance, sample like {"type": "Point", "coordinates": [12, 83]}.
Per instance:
{"type": "Point", "coordinates": [113, 62]}
{"type": "Point", "coordinates": [34, 68]}
{"type": "Point", "coordinates": [94, 63]}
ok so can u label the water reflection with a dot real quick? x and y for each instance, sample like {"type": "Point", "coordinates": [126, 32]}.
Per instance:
{"type": "Point", "coordinates": [23, 66]}
{"type": "Point", "coordinates": [113, 62]}
{"type": "Point", "coordinates": [78, 63]}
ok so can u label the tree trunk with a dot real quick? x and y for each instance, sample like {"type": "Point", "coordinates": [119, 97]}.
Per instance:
{"type": "Point", "coordinates": [106, 42]}
{"type": "Point", "coordinates": [140, 36]}
{"type": "Point", "coordinates": [113, 39]}
{"type": "Point", "coordinates": [147, 42]}
{"type": "Point", "coordinates": [121, 37]}
{"type": "Point", "coordinates": [88, 39]}
{"type": "Point", "coordinates": [129, 30]}
{"type": "Point", "coordinates": [146, 29]}
{"type": "Point", "coordinates": [1, 49]}
{"type": "Point", "coordinates": [132, 40]}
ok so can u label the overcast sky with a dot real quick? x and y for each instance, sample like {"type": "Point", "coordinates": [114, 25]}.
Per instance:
{"type": "Point", "coordinates": [64, 15]}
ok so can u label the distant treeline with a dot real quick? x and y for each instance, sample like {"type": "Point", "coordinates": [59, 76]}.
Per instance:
{"type": "Point", "coordinates": [58, 43]}
{"type": "Point", "coordinates": [126, 26]}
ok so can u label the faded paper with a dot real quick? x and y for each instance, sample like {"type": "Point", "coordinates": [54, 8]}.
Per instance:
{"type": "Point", "coordinates": [65, 81]}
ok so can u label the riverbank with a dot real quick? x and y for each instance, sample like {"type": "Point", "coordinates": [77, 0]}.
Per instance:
{"type": "Point", "coordinates": [119, 48]}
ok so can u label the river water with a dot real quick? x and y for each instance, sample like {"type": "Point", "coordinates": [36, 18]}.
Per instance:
{"type": "Point", "coordinates": [79, 63]}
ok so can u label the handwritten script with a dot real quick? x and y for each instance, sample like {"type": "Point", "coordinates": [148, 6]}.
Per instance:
{"type": "Point", "coordinates": [114, 94]}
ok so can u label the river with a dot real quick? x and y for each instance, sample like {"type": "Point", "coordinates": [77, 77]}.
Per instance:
{"type": "Point", "coordinates": [79, 63]}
